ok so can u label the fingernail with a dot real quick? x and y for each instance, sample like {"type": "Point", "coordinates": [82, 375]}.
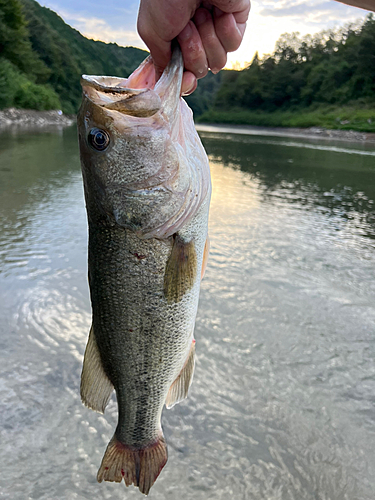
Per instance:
{"type": "Point", "coordinates": [241, 29]}
{"type": "Point", "coordinates": [186, 32]}
{"type": "Point", "coordinates": [191, 89]}
{"type": "Point", "coordinates": [202, 71]}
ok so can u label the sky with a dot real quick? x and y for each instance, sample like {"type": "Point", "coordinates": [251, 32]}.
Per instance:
{"type": "Point", "coordinates": [115, 21]}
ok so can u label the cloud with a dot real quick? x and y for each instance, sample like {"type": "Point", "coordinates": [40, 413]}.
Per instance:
{"type": "Point", "coordinates": [120, 11]}
{"type": "Point", "coordinates": [269, 19]}
{"type": "Point", "coordinates": [115, 24]}
{"type": "Point", "coordinates": [309, 12]}
{"type": "Point", "coordinates": [100, 29]}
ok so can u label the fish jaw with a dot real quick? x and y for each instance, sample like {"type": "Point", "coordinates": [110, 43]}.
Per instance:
{"type": "Point", "coordinates": [154, 174]}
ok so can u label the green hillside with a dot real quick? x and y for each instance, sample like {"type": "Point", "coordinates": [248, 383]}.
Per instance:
{"type": "Point", "coordinates": [42, 58]}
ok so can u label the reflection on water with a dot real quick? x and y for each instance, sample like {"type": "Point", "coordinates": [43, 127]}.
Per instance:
{"type": "Point", "coordinates": [282, 404]}
{"type": "Point", "coordinates": [322, 179]}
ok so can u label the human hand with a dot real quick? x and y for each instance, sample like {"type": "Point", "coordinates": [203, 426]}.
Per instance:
{"type": "Point", "coordinates": [362, 4]}
{"type": "Point", "coordinates": [206, 31]}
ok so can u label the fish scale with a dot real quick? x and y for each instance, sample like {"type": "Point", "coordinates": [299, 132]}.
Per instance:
{"type": "Point", "coordinates": [147, 240]}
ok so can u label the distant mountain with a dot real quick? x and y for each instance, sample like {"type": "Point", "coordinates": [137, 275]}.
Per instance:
{"type": "Point", "coordinates": [42, 58]}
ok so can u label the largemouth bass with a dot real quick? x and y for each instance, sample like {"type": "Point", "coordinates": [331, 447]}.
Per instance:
{"type": "Point", "coordinates": [147, 190]}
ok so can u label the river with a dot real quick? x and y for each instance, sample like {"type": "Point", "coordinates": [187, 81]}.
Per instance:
{"type": "Point", "coordinates": [282, 402]}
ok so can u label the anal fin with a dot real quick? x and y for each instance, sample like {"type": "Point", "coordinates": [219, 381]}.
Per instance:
{"type": "Point", "coordinates": [96, 388]}
{"type": "Point", "coordinates": [180, 387]}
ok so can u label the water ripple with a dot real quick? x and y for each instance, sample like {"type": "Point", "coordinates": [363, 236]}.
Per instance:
{"type": "Point", "coordinates": [282, 404]}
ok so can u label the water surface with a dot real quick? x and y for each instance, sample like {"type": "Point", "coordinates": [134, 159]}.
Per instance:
{"type": "Point", "coordinates": [282, 404]}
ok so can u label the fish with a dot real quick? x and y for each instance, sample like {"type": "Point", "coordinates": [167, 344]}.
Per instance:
{"type": "Point", "coordinates": [147, 191]}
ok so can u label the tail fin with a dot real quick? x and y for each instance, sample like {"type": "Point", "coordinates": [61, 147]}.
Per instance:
{"type": "Point", "coordinates": [138, 466]}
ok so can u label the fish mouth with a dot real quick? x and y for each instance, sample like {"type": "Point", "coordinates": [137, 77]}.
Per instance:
{"type": "Point", "coordinates": [139, 95]}
{"type": "Point", "coordinates": [108, 84]}
{"type": "Point", "coordinates": [132, 96]}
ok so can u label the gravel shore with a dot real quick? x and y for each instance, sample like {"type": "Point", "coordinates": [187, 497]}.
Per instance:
{"type": "Point", "coordinates": [305, 133]}
{"type": "Point", "coordinates": [30, 117]}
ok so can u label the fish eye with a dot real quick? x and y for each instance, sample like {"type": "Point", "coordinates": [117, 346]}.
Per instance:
{"type": "Point", "coordinates": [98, 139]}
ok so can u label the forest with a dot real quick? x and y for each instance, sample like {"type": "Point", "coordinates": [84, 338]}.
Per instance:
{"type": "Point", "coordinates": [42, 58]}
{"type": "Point", "coordinates": [306, 81]}
{"type": "Point", "coordinates": [327, 79]}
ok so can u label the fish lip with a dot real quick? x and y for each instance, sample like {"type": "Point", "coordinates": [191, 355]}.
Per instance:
{"type": "Point", "coordinates": [98, 83]}
{"type": "Point", "coordinates": [100, 90]}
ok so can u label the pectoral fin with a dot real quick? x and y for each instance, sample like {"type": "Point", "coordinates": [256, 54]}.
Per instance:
{"type": "Point", "coordinates": [180, 387]}
{"type": "Point", "coordinates": [181, 270]}
{"type": "Point", "coordinates": [96, 388]}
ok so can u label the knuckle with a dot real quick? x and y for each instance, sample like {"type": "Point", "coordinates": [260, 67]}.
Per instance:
{"type": "Point", "coordinates": [209, 40]}
{"type": "Point", "coordinates": [193, 54]}
{"type": "Point", "coordinates": [195, 61]}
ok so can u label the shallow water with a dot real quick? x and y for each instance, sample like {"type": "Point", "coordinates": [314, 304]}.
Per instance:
{"type": "Point", "coordinates": [282, 404]}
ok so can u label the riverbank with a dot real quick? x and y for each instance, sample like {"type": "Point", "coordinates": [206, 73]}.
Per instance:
{"type": "Point", "coordinates": [360, 118]}
{"type": "Point", "coordinates": [31, 117]}
{"type": "Point", "coordinates": [303, 133]}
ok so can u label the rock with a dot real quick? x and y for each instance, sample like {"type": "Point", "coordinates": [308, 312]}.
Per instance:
{"type": "Point", "coordinates": [31, 117]}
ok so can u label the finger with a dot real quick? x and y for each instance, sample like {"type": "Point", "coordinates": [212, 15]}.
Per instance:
{"type": "Point", "coordinates": [241, 19]}
{"type": "Point", "coordinates": [189, 83]}
{"type": "Point", "coordinates": [192, 51]}
{"type": "Point", "coordinates": [159, 23]}
{"type": "Point", "coordinates": [227, 31]}
{"type": "Point", "coordinates": [160, 49]}
{"type": "Point", "coordinates": [159, 59]}
{"type": "Point", "coordinates": [215, 53]}
{"type": "Point", "coordinates": [241, 16]}
{"type": "Point", "coordinates": [240, 7]}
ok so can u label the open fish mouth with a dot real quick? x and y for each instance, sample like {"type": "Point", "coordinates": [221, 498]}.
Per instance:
{"type": "Point", "coordinates": [133, 96]}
